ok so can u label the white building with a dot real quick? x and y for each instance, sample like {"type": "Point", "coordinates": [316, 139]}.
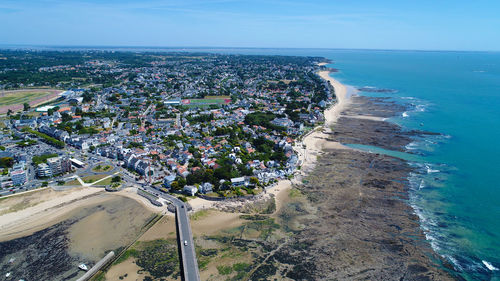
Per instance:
{"type": "Point", "coordinates": [191, 190]}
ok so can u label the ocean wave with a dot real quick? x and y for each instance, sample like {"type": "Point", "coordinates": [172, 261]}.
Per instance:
{"type": "Point", "coordinates": [430, 171]}
{"type": "Point", "coordinates": [489, 265]}
{"type": "Point", "coordinates": [420, 107]}
{"type": "Point", "coordinates": [412, 146]}
{"type": "Point", "coordinates": [421, 185]}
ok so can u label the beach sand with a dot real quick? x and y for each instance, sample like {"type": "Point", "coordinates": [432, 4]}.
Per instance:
{"type": "Point", "coordinates": [88, 231]}
{"type": "Point", "coordinates": [41, 209]}
{"type": "Point", "coordinates": [315, 142]}
{"type": "Point", "coordinates": [27, 213]}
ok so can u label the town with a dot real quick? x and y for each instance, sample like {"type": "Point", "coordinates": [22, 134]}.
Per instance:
{"type": "Point", "coordinates": [192, 123]}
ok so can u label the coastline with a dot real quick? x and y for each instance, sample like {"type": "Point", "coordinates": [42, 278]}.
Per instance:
{"type": "Point", "coordinates": [314, 143]}
{"type": "Point", "coordinates": [348, 232]}
{"type": "Point", "coordinates": [361, 213]}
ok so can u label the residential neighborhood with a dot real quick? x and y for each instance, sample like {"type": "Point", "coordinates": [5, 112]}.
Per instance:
{"type": "Point", "coordinates": [223, 125]}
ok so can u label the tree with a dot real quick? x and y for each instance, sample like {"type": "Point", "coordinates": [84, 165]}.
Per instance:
{"type": "Point", "coordinates": [6, 162]}
{"type": "Point", "coordinates": [9, 112]}
{"type": "Point", "coordinates": [182, 182]}
{"type": "Point", "coordinates": [26, 106]}
{"type": "Point", "coordinates": [116, 179]}
{"type": "Point", "coordinates": [175, 185]}
{"type": "Point", "coordinates": [66, 117]}
{"type": "Point", "coordinates": [254, 180]}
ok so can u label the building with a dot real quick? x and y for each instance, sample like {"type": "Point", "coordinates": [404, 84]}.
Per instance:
{"type": "Point", "coordinates": [238, 181]}
{"type": "Point", "coordinates": [206, 188]}
{"type": "Point", "coordinates": [43, 171]}
{"type": "Point", "coordinates": [18, 177]}
{"type": "Point", "coordinates": [77, 163]}
{"type": "Point", "coordinates": [59, 165]}
{"type": "Point", "coordinates": [172, 102]}
{"type": "Point", "coordinates": [144, 169]}
{"type": "Point", "coordinates": [168, 180]}
{"type": "Point", "coordinates": [190, 190]}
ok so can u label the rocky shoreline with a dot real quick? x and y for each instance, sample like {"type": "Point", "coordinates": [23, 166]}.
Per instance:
{"type": "Point", "coordinates": [366, 131]}
{"type": "Point", "coordinates": [356, 223]}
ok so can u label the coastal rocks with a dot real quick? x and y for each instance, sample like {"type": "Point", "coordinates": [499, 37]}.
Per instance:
{"type": "Point", "coordinates": [362, 227]}
{"type": "Point", "coordinates": [85, 235]}
{"type": "Point", "coordinates": [370, 132]}
{"type": "Point", "coordinates": [46, 249]}
{"type": "Point", "coordinates": [379, 107]}
{"type": "Point", "coordinates": [362, 123]}
{"type": "Point", "coordinates": [376, 90]}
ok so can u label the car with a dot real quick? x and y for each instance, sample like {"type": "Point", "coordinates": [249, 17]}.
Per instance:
{"type": "Point", "coordinates": [185, 242]}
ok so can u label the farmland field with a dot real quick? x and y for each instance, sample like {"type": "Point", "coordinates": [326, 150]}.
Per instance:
{"type": "Point", "coordinates": [14, 100]}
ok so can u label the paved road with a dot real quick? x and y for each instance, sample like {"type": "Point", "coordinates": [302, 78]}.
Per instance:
{"type": "Point", "coordinates": [189, 263]}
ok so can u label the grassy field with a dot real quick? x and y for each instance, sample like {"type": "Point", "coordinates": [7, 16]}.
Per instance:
{"type": "Point", "coordinates": [101, 167]}
{"type": "Point", "coordinates": [22, 96]}
{"type": "Point", "coordinates": [72, 183]}
{"type": "Point", "coordinates": [93, 178]}
{"type": "Point", "coordinates": [208, 100]}
{"type": "Point", "coordinates": [14, 100]}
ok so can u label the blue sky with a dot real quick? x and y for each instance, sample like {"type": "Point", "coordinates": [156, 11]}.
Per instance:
{"type": "Point", "coordinates": [366, 24]}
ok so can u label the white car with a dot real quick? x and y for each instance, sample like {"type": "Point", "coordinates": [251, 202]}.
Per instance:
{"type": "Point", "coordinates": [185, 242]}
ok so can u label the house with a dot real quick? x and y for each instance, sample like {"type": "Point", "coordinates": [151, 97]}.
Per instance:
{"type": "Point", "coordinates": [182, 171]}
{"type": "Point", "coordinates": [238, 181]}
{"type": "Point", "coordinates": [168, 180]}
{"type": "Point", "coordinates": [190, 190]}
{"type": "Point", "coordinates": [81, 144]}
{"type": "Point", "coordinates": [206, 188]}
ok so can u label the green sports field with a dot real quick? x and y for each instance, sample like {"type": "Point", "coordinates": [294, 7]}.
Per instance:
{"type": "Point", "coordinates": [14, 100]}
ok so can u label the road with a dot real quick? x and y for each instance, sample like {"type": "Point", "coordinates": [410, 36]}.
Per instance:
{"type": "Point", "coordinates": [188, 256]}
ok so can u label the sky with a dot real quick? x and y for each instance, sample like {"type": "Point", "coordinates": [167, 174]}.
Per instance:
{"type": "Point", "coordinates": [359, 24]}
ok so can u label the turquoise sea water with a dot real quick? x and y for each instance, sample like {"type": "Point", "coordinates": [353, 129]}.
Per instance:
{"type": "Point", "coordinates": [456, 191]}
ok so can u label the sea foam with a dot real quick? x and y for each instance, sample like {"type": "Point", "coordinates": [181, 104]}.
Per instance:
{"type": "Point", "coordinates": [489, 265]}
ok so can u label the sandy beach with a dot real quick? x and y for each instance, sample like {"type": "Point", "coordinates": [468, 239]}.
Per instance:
{"type": "Point", "coordinates": [39, 210]}
{"type": "Point", "coordinates": [27, 213]}
{"type": "Point", "coordinates": [315, 142]}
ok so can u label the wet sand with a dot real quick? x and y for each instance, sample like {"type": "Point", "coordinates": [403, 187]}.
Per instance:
{"type": "Point", "coordinates": [25, 214]}
{"type": "Point", "coordinates": [85, 234]}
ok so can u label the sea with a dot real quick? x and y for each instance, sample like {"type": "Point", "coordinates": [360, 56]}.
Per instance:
{"type": "Point", "coordinates": [456, 192]}
{"type": "Point", "coordinates": [454, 189]}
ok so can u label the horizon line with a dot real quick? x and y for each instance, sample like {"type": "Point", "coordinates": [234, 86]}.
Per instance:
{"type": "Point", "coordinates": [100, 47]}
